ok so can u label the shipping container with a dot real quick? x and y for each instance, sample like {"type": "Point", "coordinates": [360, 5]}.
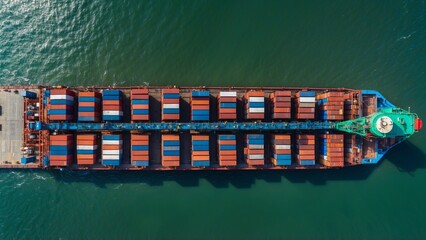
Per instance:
{"type": "Point", "coordinates": [170, 150]}
{"type": "Point", "coordinates": [61, 105]}
{"type": "Point", "coordinates": [200, 151]}
{"type": "Point", "coordinates": [331, 105]}
{"type": "Point", "coordinates": [61, 149]}
{"type": "Point", "coordinates": [140, 150]}
{"type": "Point", "coordinates": [170, 99]}
{"type": "Point", "coordinates": [281, 149]}
{"type": "Point", "coordinates": [331, 148]}
{"type": "Point", "coordinates": [281, 104]}
{"type": "Point", "coordinates": [255, 105]}
{"type": "Point", "coordinates": [227, 106]}
{"type": "Point", "coordinates": [254, 149]}
{"type": "Point", "coordinates": [200, 105]}
{"type": "Point", "coordinates": [139, 99]}
{"type": "Point", "coordinates": [87, 149]}
{"type": "Point", "coordinates": [89, 107]}
{"type": "Point", "coordinates": [305, 149]}
{"type": "Point", "coordinates": [112, 149]}
{"type": "Point", "coordinates": [112, 106]}
{"type": "Point", "coordinates": [305, 105]}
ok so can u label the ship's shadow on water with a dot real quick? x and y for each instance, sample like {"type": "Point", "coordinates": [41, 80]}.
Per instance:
{"type": "Point", "coordinates": [407, 158]}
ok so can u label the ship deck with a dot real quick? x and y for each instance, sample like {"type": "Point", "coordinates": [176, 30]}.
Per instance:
{"type": "Point", "coordinates": [11, 126]}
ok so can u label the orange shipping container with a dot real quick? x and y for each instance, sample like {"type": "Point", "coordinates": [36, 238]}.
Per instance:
{"type": "Point", "coordinates": [141, 91]}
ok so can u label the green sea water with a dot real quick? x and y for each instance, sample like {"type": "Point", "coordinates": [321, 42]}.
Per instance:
{"type": "Point", "coordinates": [357, 44]}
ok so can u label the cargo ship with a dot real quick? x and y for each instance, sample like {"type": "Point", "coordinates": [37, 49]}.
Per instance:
{"type": "Point", "coordinates": [197, 128]}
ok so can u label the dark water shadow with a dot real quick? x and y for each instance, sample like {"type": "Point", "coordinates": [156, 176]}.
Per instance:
{"type": "Point", "coordinates": [219, 179]}
{"type": "Point", "coordinates": [407, 157]}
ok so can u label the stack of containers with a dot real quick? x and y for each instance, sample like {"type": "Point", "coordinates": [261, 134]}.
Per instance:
{"type": "Point", "coordinates": [200, 106]}
{"type": "Point", "coordinates": [305, 149]}
{"type": "Point", "coordinates": [255, 149]}
{"type": "Point", "coordinates": [112, 109]}
{"type": "Point", "coordinates": [170, 104]}
{"type": "Point", "coordinates": [171, 150]}
{"type": "Point", "coordinates": [61, 107]}
{"type": "Point", "coordinates": [305, 105]}
{"type": "Point", "coordinates": [331, 105]}
{"type": "Point", "coordinates": [227, 106]}
{"type": "Point", "coordinates": [89, 107]}
{"type": "Point", "coordinates": [140, 104]}
{"type": "Point", "coordinates": [281, 104]}
{"type": "Point", "coordinates": [227, 150]}
{"type": "Point", "coordinates": [200, 151]}
{"type": "Point", "coordinates": [112, 149]}
{"type": "Point", "coordinates": [331, 150]}
{"type": "Point", "coordinates": [140, 150]}
{"type": "Point", "coordinates": [87, 146]}
{"type": "Point", "coordinates": [348, 142]}
{"type": "Point", "coordinates": [281, 149]}
{"type": "Point", "coordinates": [61, 150]}
{"type": "Point", "coordinates": [255, 105]}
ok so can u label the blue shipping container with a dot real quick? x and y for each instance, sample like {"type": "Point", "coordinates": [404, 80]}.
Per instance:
{"type": "Point", "coordinates": [227, 147]}
{"type": "Point", "coordinates": [201, 163]}
{"type": "Point", "coordinates": [140, 101]}
{"type": "Point", "coordinates": [140, 147]}
{"type": "Point", "coordinates": [171, 95]}
{"type": "Point", "coordinates": [89, 99]}
{"type": "Point", "coordinates": [307, 93]}
{"type": "Point", "coordinates": [227, 137]}
{"type": "Point", "coordinates": [200, 93]}
{"type": "Point", "coordinates": [110, 92]}
{"type": "Point", "coordinates": [140, 163]}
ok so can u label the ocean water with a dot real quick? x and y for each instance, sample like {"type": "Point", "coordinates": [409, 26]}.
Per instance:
{"type": "Point", "coordinates": [355, 44]}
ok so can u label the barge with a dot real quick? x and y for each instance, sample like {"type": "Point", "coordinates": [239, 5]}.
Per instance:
{"type": "Point", "coordinates": [197, 128]}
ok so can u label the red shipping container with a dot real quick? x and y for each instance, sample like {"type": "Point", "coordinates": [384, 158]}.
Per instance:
{"type": "Point", "coordinates": [171, 164]}
{"type": "Point", "coordinates": [228, 163]}
{"type": "Point", "coordinates": [62, 91]}
{"type": "Point", "coordinates": [170, 90]}
{"type": "Point", "coordinates": [111, 147]}
{"type": "Point", "coordinates": [89, 104]}
{"type": "Point", "coordinates": [140, 157]}
{"type": "Point", "coordinates": [89, 94]}
{"type": "Point", "coordinates": [61, 107]}
{"type": "Point", "coordinates": [140, 106]}
{"type": "Point", "coordinates": [141, 91]}
{"type": "Point", "coordinates": [170, 101]}
{"type": "Point", "coordinates": [140, 117]}
{"type": "Point", "coordinates": [170, 116]}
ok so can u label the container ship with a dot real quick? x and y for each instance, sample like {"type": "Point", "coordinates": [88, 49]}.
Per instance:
{"type": "Point", "coordinates": [197, 128]}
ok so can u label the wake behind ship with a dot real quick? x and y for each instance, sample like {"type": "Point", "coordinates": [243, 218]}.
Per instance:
{"type": "Point", "coordinates": [197, 128]}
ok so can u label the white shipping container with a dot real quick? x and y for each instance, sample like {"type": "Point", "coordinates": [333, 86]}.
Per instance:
{"type": "Point", "coordinates": [61, 97]}
{"type": "Point", "coordinates": [112, 113]}
{"type": "Point", "coordinates": [256, 99]}
{"type": "Point", "coordinates": [256, 146]}
{"type": "Point", "coordinates": [256, 156]}
{"type": "Point", "coordinates": [171, 148]}
{"type": "Point", "coordinates": [256, 110]}
{"type": "Point", "coordinates": [169, 105]}
{"type": "Point", "coordinates": [283, 147]}
{"type": "Point", "coordinates": [307, 99]}
{"type": "Point", "coordinates": [112, 142]}
{"type": "Point", "coordinates": [111, 157]}
{"type": "Point", "coordinates": [307, 105]}
{"type": "Point", "coordinates": [228, 94]}
{"type": "Point", "coordinates": [112, 152]}
{"type": "Point", "coordinates": [87, 147]}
